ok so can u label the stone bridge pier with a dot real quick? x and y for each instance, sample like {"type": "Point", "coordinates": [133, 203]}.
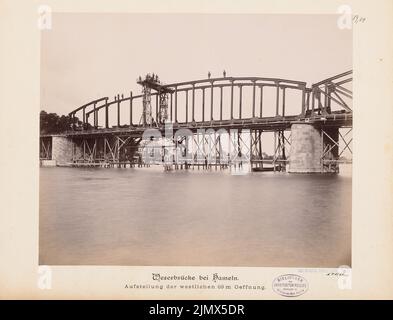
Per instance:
{"type": "Point", "coordinates": [63, 149]}
{"type": "Point", "coordinates": [58, 150]}
{"type": "Point", "coordinates": [308, 146]}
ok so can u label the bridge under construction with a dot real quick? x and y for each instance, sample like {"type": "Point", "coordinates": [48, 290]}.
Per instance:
{"type": "Point", "coordinates": [212, 123]}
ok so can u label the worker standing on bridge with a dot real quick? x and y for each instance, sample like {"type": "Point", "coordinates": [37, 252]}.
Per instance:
{"type": "Point", "coordinates": [209, 74]}
{"type": "Point", "coordinates": [224, 74]}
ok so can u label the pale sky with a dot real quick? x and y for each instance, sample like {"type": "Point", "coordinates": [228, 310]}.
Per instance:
{"type": "Point", "coordinates": [87, 56]}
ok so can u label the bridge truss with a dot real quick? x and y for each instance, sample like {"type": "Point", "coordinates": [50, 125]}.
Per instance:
{"type": "Point", "coordinates": [327, 104]}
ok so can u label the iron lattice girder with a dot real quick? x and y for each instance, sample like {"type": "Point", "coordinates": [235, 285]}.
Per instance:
{"type": "Point", "coordinates": [46, 148]}
{"type": "Point", "coordinates": [280, 142]}
{"type": "Point", "coordinates": [146, 117]}
{"type": "Point", "coordinates": [256, 145]}
{"type": "Point", "coordinates": [208, 146]}
{"type": "Point", "coordinates": [335, 144]}
{"type": "Point", "coordinates": [332, 89]}
{"type": "Point", "coordinates": [105, 148]}
{"type": "Point", "coordinates": [163, 112]}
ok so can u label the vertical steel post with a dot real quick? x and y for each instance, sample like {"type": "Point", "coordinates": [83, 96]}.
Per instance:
{"type": "Point", "coordinates": [253, 99]}
{"type": "Point", "coordinates": [171, 105]}
{"type": "Point", "coordinates": [240, 101]}
{"type": "Point", "coordinates": [239, 147]}
{"type": "Point", "coordinates": [251, 143]}
{"type": "Point", "coordinates": [275, 151]}
{"type": "Point", "coordinates": [94, 115]}
{"type": "Point", "coordinates": [283, 101]}
{"type": "Point", "coordinates": [231, 99]}
{"type": "Point", "coordinates": [84, 118]}
{"type": "Point", "coordinates": [261, 102]}
{"type": "Point", "coordinates": [106, 113]}
{"type": "Point", "coordinates": [307, 100]}
{"type": "Point", "coordinates": [312, 102]}
{"type": "Point", "coordinates": [203, 104]}
{"type": "Point", "coordinates": [186, 106]}
{"type": "Point", "coordinates": [211, 102]}
{"type": "Point", "coordinates": [221, 103]}
{"type": "Point", "coordinates": [277, 98]}
{"type": "Point", "coordinates": [193, 102]}
{"type": "Point", "coordinates": [118, 111]}
{"type": "Point", "coordinates": [328, 100]}
{"type": "Point", "coordinates": [254, 147]}
{"type": "Point", "coordinates": [325, 103]}
{"type": "Point", "coordinates": [229, 147]}
{"type": "Point", "coordinates": [157, 117]}
{"type": "Point", "coordinates": [130, 108]}
{"type": "Point", "coordinates": [260, 148]}
{"type": "Point", "coordinates": [175, 104]}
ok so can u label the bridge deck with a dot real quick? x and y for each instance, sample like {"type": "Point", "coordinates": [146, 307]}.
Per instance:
{"type": "Point", "coordinates": [265, 124]}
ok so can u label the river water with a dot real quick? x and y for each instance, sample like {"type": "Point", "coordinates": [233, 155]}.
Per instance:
{"type": "Point", "coordinates": [145, 216]}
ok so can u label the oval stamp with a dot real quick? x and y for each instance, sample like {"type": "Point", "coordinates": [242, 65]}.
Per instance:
{"type": "Point", "coordinates": [290, 285]}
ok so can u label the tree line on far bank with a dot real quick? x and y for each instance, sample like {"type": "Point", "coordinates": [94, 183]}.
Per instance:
{"type": "Point", "coordinates": [52, 123]}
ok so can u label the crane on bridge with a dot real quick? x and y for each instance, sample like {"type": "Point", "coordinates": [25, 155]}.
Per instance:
{"type": "Point", "coordinates": [149, 83]}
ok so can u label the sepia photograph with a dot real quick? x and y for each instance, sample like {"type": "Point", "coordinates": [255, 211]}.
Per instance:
{"type": "Point", "coordinates": [195, 140]}
{"type": "Point", "coordinates": [184, 153]}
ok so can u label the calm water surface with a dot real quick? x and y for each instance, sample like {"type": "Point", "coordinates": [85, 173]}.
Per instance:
{"type": "Point", "coordinates": [193, 218]}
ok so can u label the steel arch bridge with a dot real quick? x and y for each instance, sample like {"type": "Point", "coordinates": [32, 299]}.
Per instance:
{"type": "Point", "coordinates": [236, 105]}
